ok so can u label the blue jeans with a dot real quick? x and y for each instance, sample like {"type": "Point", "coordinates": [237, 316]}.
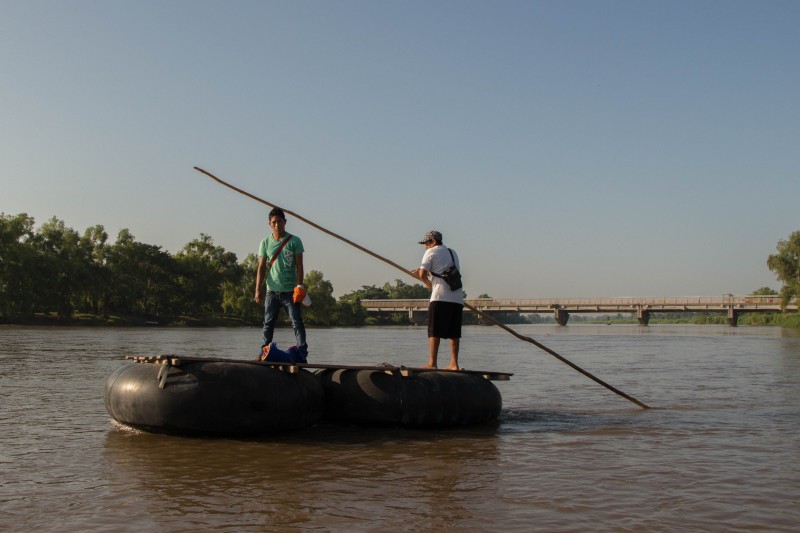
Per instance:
{"type": "Point", "coordinates": [272, 308]}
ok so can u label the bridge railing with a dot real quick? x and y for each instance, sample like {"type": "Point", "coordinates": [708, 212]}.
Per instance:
{"type": "Point", "coordinates": [563, 307]}
{"type": "Point", "coordinates": [632, 302]}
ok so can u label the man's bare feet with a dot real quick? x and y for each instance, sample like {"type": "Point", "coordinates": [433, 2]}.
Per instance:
{"type": "Point", "coordinates": [454, 367]}
{"type": "Point", "coordinates": [429, 366]}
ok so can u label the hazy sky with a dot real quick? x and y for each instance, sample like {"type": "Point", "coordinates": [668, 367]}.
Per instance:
{"type": "Point", "coordinates": [564, 148]}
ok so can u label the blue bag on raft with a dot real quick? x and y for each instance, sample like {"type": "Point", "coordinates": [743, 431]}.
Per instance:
{"type": "Point", "coordinates": [293, 354]}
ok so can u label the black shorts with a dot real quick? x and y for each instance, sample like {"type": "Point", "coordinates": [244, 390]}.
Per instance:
{"type": "Point", "coordinates": [444, 320]}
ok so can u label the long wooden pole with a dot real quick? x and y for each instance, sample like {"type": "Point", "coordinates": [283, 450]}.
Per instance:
{"type": "Point", "coordinates": [408, 272]}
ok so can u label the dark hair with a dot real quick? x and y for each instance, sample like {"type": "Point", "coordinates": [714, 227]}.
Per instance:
{"type": "Point", "coordinates": [277, 212]}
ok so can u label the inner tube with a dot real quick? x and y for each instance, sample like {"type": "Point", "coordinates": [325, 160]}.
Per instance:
{"type": "Point", "coordinates": [214, 398]}
{"type": "Point", "coordinates": [429, 398]}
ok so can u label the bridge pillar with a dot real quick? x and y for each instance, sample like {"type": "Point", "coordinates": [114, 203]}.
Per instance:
{"type": "Point", "coordinates": [643, 316]}
{"type": "Point", "coordinates": [561, 316]}
{"type": "Point", "coordinates": [417, 318]}
{"type": "Point", "coordinates": [482, 317]}
{"type": "Point", "coordinates": [733, 317]}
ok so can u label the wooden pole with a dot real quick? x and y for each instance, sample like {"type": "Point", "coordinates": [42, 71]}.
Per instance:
{"type": "Point", "coordinates": [408, 272]}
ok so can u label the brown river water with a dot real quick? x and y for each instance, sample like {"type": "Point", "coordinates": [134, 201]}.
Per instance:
{"type": "Point", "coordinates": [719, 452]}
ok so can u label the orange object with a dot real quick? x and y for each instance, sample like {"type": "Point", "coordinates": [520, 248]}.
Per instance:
{"type": "Point", "coordinates": [299, 294]}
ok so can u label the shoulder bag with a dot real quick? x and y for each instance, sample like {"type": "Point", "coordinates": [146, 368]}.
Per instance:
{"type": "Point", "coordinates": [451, 275]}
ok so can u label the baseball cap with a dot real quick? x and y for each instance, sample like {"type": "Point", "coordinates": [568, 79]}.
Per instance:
{"type": "Point", "coordinates": [432, 235]}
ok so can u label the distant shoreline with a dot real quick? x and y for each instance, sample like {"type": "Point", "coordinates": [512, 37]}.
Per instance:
{"type": "Point", "coordinates": [123, 321]}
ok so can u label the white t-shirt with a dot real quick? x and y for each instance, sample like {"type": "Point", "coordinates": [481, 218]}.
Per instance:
{"type": "Point", "coordinates": [437, 259]}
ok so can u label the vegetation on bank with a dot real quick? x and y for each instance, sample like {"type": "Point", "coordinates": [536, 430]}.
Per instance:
{"type": "Point", "coordinates": [53, 274]}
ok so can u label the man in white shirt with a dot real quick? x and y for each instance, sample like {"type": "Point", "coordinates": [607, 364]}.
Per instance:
{"type": "Point", "coordinates": [446, 305]}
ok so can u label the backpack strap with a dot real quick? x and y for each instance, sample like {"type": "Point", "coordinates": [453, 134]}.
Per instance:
{"type": "Point", "coordinates": [280, 248]}
{"type": "Point", "coordinates": [451, 257]}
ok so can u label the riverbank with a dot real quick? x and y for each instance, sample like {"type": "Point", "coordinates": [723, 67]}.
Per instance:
{"type": "Point", "coordinates": [86, 319]}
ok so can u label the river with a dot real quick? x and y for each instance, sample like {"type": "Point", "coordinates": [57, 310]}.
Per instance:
{"type": "Point", "coordinates": [720, 450]}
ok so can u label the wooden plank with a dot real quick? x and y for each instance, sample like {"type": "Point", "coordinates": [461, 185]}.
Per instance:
{"type": "Point", "coordinates": [293, 368]}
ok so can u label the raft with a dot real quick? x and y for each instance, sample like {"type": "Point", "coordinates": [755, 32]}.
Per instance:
{"type": "Point", "coordinates": [222, 397]}
{"type": "Point", "coordinates": [212, 397]}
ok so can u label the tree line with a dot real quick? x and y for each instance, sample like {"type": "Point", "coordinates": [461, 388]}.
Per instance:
{"type": "Point", "coordinates": [54, 270]}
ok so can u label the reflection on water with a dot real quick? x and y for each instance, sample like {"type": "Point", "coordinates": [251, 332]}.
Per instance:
{"type": "Point", "coordinates": [718, 454]}
{"type": "Point", "coordinates": [315, 476]}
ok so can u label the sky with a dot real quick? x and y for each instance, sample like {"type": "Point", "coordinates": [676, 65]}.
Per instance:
{"type": "Point", "coordinates": [565, 149]}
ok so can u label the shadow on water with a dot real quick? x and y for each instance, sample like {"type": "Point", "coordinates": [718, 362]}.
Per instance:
{"type": "Point", "coordinates": [322, 444]}
{"type": "Point", "coordinates": [322, 475]}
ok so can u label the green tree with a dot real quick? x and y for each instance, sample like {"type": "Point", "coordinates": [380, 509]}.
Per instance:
{"type": "Point", "coordinates": [94, 249]}
{"type": "Point", "coordinates": [764, 291]}
{"type": "Point", "coordinates": [404, 291]}
{"type": "Point", "coordinates": [18, 287]}
{"type": "Point", "coordinates": [786, 266]}
{"type": "Point", "coordinates": [54, 269]}
{"type": "Point", "coordinates": [237, 295]}
{"type": "Point", "coordinates": [143, 279]}
{"type": "Point", "coordinates": [64, 266]}
{"type": "Point", "coordinates": [204, 269]}
{"type": "Point", "coordinates": [368, 292]}
{"type": "Point", "coordinates": [350, 312]}
{"type": "Point", "coordinates": [323, 305]}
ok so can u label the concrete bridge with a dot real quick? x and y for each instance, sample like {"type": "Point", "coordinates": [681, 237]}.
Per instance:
{"type": "Point", "coordinates": [561, 308]}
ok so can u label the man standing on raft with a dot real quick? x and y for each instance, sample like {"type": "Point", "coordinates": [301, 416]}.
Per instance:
{"type": "Point", "coordinates": [280, 262]}
{"type": "Point", "coordinates": [446, 305]}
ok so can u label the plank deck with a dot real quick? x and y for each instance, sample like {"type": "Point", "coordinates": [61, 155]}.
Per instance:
{"type": "Point", "coordinates": [292, 368]}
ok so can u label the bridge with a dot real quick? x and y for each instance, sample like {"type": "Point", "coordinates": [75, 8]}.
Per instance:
{"type": "Point", "coordinates": [561, 308]}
